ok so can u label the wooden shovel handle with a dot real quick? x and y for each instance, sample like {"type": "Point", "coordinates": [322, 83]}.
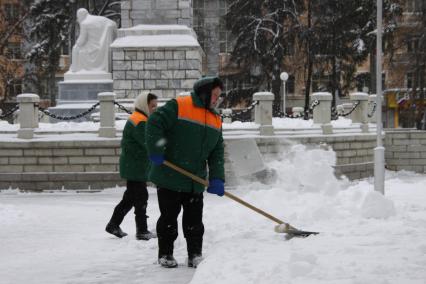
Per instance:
{"type": "Point", "coordinates": [227, 194]}
{"type": "Point", "coordinates": [186, 173]}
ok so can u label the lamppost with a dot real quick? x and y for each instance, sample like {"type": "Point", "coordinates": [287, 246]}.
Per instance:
{"type": "Point", "coordinates": [379, 151]}
{"type": "Point", "coordinates": [284, 78]}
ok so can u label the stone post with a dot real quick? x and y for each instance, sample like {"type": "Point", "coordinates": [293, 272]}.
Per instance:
{"type": "Point", "coordinates": [371, 104]}
{"type": "Point", "coordinates": [27, 115]}
{"type": "Point", "coordinates": [263, 112]}
{"type": "Point", "coordinates": [107, 114]}
{"type": "Point", "coordinates": [360, 114]}
{"type": "Point", "coordinates": [322, 112]}
{"type": "Point", "coordinates": [227, 112]}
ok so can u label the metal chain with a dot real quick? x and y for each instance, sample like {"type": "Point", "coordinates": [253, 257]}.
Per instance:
{"type": "Point", "coordinates": [10, 112]}
{"type": "Point", "coordinates": [282, 114]}
{"type": "Point", "coordinates": [353, 108]}
{"type": "Point", "coordinates": [253, 104]}
{"type": "Point", "coordinates": [91, 109]}
{"type": "Point", "coordinates": [335, 115]}
{"type": "Point", "coordinates": [123, 108]}
{"type": "Point", "coordinates": [370, 115]}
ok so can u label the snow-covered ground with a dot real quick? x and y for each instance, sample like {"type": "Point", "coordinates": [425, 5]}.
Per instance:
{"type": "Point", "coordinates": [364, 237]}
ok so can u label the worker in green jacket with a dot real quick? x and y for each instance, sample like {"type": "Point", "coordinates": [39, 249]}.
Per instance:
{"type": "Point", "coordinates": [134, 167]}
{"type": "Point", "coordinates": [188, 133]}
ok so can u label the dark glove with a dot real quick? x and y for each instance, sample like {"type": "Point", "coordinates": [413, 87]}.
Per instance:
{"type": "Point", "coordinates": [156, 159]}
{"type": "Point", "coordinates": [216, 186]}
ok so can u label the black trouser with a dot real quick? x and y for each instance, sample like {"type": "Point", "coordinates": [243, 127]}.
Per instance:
{"type": "Point", "coordinates": [170, 203]}
{"type": "Point", "coordinates": [136, 195]}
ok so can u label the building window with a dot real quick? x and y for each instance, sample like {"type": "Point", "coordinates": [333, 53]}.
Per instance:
{"type": "Point", "coordinates": [14, 51]}
{"type": "Point", "coordinates": [363, 82]}
{"type": "Point", "coordinates": [410, 80]}
{"type": "Point", "coordinates": [15, 88]}
{"type": "Point", "coordinates": [65, 48]}
{"type": "Point", "coordinates": [12, 12]}
{"type": "Point", "coordinates": [412, 45]}
{"type": "Point", "coordinates": [414, 6]}
{"type": "Point", "coordinates": [224, 34]}
{"type": "Point", "coordinates": [320, 82]}
{"type": "Point", "coordinates": [290, 84]}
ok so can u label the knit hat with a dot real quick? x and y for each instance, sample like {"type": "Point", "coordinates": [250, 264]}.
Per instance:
{"type": "Point", "coordinates": [141, 102]}
{"type": "Point", "coordinates": [204, 86]}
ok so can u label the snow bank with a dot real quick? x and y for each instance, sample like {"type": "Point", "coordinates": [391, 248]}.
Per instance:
{"type": "Point", "coordinates": [376, 205]}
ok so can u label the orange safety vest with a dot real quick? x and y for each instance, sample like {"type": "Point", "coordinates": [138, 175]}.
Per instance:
{"type": "Point", "coordinates": [199, 115]}
{"type": "Point", "coordinates": [136, 117]}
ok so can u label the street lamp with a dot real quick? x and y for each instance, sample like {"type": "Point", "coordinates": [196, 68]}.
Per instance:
{"type": "Point", "coordinates": [284, 78]}
{"type": "Point", "coordinates": [379, 151]}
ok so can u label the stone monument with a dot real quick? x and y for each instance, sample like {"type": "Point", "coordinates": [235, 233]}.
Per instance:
{"type": "Point", "coordinates": [90, 71]}
{"type": "Point", "coordinates": [157, 51]}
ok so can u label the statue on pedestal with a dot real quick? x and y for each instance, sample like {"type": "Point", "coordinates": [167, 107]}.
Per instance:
{"type": "Point", "coordinates": [91, 51]}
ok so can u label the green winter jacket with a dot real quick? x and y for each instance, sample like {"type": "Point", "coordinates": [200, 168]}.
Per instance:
{"type": "Point", "coordinates": [189, 136]}
{"type": "Point", "coordinates": [134, 162]}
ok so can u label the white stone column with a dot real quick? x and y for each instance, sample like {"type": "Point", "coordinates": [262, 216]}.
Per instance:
{"type": "Point", "coordinates": [322, 112]}
{"type": "Point", "coordinates": [107, 114]}
{"type": "Point", "coordinates": [372, 106]}
{"type": "Point", "coordinates": [263, 112]}
{"type": "Point", "coordinates": [360, 114]}
{"type": "Point", "coordinates": [27, 115]}
{"type": "Point", "coordinates": [227, 112]}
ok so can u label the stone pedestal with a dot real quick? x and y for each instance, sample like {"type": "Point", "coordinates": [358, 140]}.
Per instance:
{"type": "Point", "coordinates": [79, 92]}
{"type": "Point", "coordinates": [163, 59]}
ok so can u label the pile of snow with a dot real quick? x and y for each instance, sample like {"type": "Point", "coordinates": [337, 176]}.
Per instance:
{"type": "Point", "coordinates": [59, 237]}
{"type": "Point", "coordinates": [376, 205]}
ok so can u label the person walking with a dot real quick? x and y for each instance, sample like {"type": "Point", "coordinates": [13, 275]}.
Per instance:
{"type": "Point", "coordinates": [186, 131]}
{"type": "Point", "coordinates": [134, 167]}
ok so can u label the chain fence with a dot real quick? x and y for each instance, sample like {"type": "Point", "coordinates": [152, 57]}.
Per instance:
{"type": "Point", "coordinates": [9, 112]}
{"type": "Point", "coordinates": [335, 115]}
{"type": "Point", "coordinates": [373, 110]}
{"type": "Point", "coordinates": [241, 112]}
{"type": "Point", "coordinates": [122, 107]}
{"type": "Point", "coordinates": [67, 118]}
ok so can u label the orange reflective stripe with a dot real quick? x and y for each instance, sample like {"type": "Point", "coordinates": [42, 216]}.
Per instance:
{"type": "Point", "coordinates": [136, 117]}
{"type": "Point", "coordinates": [188, 111]}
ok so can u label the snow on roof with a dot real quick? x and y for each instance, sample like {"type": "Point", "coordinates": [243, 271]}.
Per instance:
{"type": "Point", "coordinates": [157, 27]}
{"type": "Point", "coordinates": [156, 41]}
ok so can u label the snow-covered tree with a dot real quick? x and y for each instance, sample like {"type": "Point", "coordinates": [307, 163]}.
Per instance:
{"type": "Point", "coordinates": [11, 22]}
{"type": "Point", "coordinates": [49, 27]}
{"type": "Point", "coordinates": [262, 29]}
{"type": "Point", "coordinates": [338, 37]}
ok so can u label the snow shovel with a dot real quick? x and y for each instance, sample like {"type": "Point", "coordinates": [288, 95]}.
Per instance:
{"type": "Point", "coordinates": [282, 226]}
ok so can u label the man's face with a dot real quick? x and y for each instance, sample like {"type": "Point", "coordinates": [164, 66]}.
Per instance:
{"type": "Point", "coordinates": [152, 106]}
{"type": "Point", "coordinates": [215, 96]}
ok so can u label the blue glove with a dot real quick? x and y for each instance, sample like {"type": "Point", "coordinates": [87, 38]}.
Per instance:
{"type": "Point", "coordinates": [156, 159]}
{"type": "Point", "coordinates": [216, 187]}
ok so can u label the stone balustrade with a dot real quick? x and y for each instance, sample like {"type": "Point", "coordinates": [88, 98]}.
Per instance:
{"type": "Point", "coordinates": [360, 113]}
{"type": "Point", "coordinates": [263, 112]}
{"type": "Point", "coordinates": [28, 115]}
{"type": "Point", "coordinates": [107, 114]}
{"type": "Point", "coordinates": [322, 111]}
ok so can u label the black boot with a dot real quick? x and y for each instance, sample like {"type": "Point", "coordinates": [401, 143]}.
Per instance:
{"type": "Point", "coordinates": [115, 230]}
{"type": "Point", "coordinates": [194, 260]}
{"type": "Point", "coordinates": [167, 261]}
{"type": "Point", "coordinates": [145, 235]}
